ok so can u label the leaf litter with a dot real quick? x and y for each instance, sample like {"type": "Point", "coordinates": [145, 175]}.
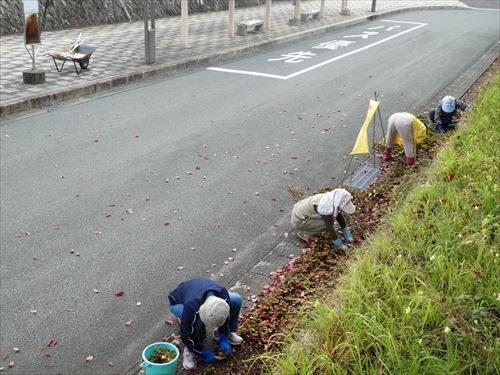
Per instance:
{"type": "Point", "coordinates": [314, 272]}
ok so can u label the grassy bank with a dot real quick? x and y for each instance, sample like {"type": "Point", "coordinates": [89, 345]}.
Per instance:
{"type": "Point", "coordinates": [422, 296]}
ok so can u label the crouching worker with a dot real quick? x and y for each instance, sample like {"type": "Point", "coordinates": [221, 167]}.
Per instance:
{"type": "Point", "coordinates": [405, 130]}
{"type": "Point", "coordinates": [444, 116]}
{"type": "Point", "coordinates": [206, 311]}
{"type": "Point", "coordinates": [314, 215]}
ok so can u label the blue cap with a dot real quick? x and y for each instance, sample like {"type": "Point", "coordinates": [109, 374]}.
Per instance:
{"type": "Point", "coordinates": [448, 104]}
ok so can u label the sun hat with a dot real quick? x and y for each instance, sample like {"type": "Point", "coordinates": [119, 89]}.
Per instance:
{"type": "Point", "coordinates": [334, 200]}
{"type": "Point", "coordinates": [348, 207]}
{"type": "Point", "coordinates": [214, 312]}
{"type": "Point", "coordinates": [448, 104]}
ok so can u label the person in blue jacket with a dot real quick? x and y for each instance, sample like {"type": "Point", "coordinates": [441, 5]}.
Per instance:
{"type": "Point", "coordinates": [204, 307]}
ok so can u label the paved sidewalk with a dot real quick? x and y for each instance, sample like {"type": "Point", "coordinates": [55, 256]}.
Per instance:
{"type": "Point", "coordinates": [119, 58]}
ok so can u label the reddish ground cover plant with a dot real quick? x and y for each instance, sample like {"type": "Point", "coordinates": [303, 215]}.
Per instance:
{"type": "Point", "coordinates": [315, 271]}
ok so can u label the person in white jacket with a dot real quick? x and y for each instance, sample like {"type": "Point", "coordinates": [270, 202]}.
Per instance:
{"type": "Point", "coordinates": [404, 129]}
{"type": "Point", "coordinates": [316, 214]}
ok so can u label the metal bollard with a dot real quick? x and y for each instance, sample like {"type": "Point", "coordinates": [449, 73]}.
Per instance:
{"type": "Point", "coordinates": [149, 34]}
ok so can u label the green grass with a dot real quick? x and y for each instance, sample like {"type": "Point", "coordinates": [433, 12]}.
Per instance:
{"type": "Point", "coordinates": [423, 294]}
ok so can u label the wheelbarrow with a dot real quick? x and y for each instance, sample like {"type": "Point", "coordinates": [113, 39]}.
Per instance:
{"type": "Point", "coordinates": [78, 54]}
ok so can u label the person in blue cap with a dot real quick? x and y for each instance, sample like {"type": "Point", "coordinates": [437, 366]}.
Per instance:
{"type": "Point", "coordinates": [444, 116]}
{"type": "Point", "coordinates": [206, 310]}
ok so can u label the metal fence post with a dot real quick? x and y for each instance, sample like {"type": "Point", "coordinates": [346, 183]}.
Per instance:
{"type": "Point", "coordinates": [295, 21]}
{"type": "Point", "coordinates": [184, 23]}
{"type": "Point", "coordinates": [231, 7]}
{"type": "Point", "coordinates": [149, 33]}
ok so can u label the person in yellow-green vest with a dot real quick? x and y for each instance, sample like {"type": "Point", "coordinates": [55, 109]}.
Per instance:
{"type": "Point", "coordinates": [405, 130]}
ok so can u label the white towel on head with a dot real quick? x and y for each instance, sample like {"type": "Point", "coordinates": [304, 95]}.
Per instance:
{"type": "Point", "coordinates": [335, 200]}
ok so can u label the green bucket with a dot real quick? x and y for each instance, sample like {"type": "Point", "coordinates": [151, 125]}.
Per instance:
{"type": "Point", "coordinates": [159, 368]}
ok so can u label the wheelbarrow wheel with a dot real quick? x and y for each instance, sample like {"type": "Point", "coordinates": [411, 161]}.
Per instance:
{"type": "Point", "coordinates": [84, 64]}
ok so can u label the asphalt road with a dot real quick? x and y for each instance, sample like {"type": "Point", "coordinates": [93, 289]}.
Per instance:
{"type": "Point", "coordinates": [483, 4]}
{"type": "Point", "coordinates": [91, 178]}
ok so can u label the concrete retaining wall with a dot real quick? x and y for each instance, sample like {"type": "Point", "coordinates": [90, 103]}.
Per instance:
{"type": "Point", "coordinates": [67, 14]}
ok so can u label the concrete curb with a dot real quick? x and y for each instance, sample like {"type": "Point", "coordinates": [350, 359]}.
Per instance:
{"type": "Point", "coordinates": [148, 72]}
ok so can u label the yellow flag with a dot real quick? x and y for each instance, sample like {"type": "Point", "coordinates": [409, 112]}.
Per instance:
{"type": "Point", "coordinates": [361, 146]}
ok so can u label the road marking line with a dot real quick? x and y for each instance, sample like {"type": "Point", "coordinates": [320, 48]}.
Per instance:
{"type": "Point", "coordinates": [248, 72]}
{"type": "Point", "coordinates": [276, 76]}
{"type": "Point", "coordinates": [469, 7]}
{"type": "Point", "coordinates": [411, 23]}
{"type": "Point", "coordinates": [353, 52]}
